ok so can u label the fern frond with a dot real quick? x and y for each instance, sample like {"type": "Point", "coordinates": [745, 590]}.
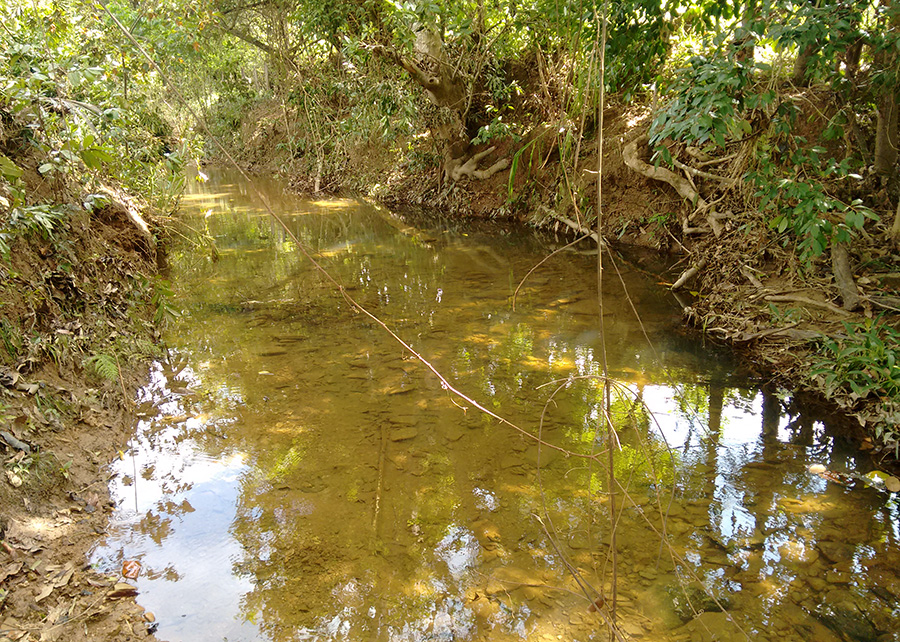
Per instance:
{"type": "Point", "coordinates": [104, 365]}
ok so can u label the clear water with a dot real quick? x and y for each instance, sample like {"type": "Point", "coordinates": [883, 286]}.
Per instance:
{"type": "Point", "coordinates": [297, 475]}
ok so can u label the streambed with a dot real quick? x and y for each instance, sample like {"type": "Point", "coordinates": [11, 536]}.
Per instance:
{"type": "Point", "coordinates": [296, 474]}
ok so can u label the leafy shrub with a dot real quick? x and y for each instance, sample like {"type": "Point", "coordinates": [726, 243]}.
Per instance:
{"type": "Point", "coordinates": [863, 364]}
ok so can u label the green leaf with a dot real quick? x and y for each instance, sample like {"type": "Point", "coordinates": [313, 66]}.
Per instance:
{"type": "Point", "coordinates": [9, 169]}
{"type": "Point", "coordinates": [95, 157]}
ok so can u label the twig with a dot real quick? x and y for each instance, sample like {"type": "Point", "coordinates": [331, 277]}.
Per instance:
{"type": "Point", "coordinates": [540, 263]}
{"type": "Point", "coordinates": [752, 277]}
{"type": "Point", "coordinates": [765, 333]}
{"type": "Point", "coordinates": [727, 182]}
{"type": "Point", "coordinates": [717, 161]}
{"type": "Point", "coordinates": [583, 584]}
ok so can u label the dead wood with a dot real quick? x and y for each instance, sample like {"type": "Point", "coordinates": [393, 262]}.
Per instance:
{"type": "Point", "coordinates": [581, 230]}
{"type": "Point", "coordinates": [793, 298]}
{"type": "Point", "coordinates": [843, 276]}
{"type": "Point", "coordinates": [753, 336]}
{"type": "Point", "coordinates": [688, 274]}
{"type": "Point", "coordinates": [724, 180]}
{"type": "Point", "coordinates": [752, 277]}
{"type": "Point", "coordinates": [891, 303]}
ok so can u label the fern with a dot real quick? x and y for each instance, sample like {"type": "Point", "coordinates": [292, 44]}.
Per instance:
{"type": "Point", "coordinates": [104, 366]}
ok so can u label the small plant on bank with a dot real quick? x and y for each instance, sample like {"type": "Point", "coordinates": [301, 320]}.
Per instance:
{"type": "Point", "coordinates": [103, 365]}
{"type": "Point", "coordinates": [861, 365]}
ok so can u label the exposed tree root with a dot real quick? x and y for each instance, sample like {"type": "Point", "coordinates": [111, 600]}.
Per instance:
{"type": "Point", "coordinates": [684, 186]}
{"type": "Point", "coordinates": [688, 274]}
{"type": "Point", "coordinates": [457, 168]}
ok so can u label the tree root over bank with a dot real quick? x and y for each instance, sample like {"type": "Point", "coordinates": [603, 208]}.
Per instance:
{"type": "Point", "coordinates": [631, 154]}
{"type": "Point", "coordinates": [467, 166]}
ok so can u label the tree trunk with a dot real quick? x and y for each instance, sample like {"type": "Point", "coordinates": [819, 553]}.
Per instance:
{"type": "Point", "coordinates": [744, 40]}
{"type": "Point", "coordinates": [433, 72]}
{"type": "Point", "coordinates": [886, 134]}
{"type": "Point", "coordinates": [801, 64]}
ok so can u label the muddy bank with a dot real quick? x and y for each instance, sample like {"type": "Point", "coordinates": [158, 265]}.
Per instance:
{"type": "Point", "coordinates": [77, 326]}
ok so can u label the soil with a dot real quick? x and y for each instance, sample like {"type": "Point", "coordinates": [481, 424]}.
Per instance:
{"type": "Point", "coordinates": [76, 296]}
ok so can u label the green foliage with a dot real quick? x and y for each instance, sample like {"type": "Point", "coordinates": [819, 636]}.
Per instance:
{"type": "Point", "coordinates": [42, 220]}
{"type": "Point", "coordinates": [497, 129]}
{"type": "Point", "coordinates": [797, 193]}
{"type": "Point", "coordinates": [706, 108]}
{"type": "Point", "coordinates": [104, 366]}
{"type": "Point", "coordinates": [865, 363]}
{"type": "Point", "coordinates": [164, 311]}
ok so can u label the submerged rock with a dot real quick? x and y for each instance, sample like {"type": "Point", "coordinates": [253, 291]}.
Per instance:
{"type": "Point", "coordinates": [847, 621]}
{"type": "Point", "coordinates": [403, 434]}
{"type": "Point", "coordinates": [687, 601]}
{"type": "Point", "coordinates": [711, 627]}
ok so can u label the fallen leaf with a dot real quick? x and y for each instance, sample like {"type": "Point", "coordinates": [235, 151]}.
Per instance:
{"type": "Point", "coordinates": [838, 478]}
{"type": "Point", "coordinates": [11, 570]}
{"type": "Point", "coordinates": [62, 577]}
{"type": "Point", "coordinates": [46, 591]}
{"type": "Point", "coordinates": [53, 624]}
{"type": "Point", "coordinates": [892, 484]}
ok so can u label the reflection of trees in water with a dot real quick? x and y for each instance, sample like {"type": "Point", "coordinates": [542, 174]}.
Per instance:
{"type": "Point", "coordinates": [335, 516]}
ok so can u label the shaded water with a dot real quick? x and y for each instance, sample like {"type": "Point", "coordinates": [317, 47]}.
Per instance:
{"type": "Point", "coordinates": [296, 475]}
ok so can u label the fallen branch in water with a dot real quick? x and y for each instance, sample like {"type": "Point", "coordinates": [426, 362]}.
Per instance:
{"type": "Point", "coordinates": [688, 274]}
{"type": "Point", "coordinates": [582, 230]}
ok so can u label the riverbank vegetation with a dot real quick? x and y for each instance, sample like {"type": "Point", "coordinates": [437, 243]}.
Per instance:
{"type": "Point", "coordinates": [755, 141]}
{"type": "Point", "coordinates": [86, 163]}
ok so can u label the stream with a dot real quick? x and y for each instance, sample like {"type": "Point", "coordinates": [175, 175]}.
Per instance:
{"type": "Point", "coordinates": [296, 474]}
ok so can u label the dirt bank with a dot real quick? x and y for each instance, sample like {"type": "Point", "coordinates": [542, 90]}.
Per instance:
{"type": "Point", "coordinates": [76, 325]}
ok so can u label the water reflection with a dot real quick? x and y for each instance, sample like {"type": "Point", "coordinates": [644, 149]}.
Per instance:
{"type": "Point", "coordinates": [297, 476]}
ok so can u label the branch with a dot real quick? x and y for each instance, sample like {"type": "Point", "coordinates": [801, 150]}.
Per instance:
{"type": "Point", "coordinates": [728, 182]}
{"type": "Point", "coordinates": [250, 40]}
{"type": "Point", "coordinates": [688, 274]}
{"type": "Point", "coordinates": [581, 230]}
{"type": "Point", "coordinates": [792, 298]}
{"type": "Point", "coordinates": [419, 76]}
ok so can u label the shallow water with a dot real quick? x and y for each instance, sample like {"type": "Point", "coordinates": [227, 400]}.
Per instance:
{"type": "Point", "coordinates": [297, 475]}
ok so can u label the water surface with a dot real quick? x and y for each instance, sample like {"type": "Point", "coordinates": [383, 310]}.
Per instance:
{"type": "Point", "coordinates": [297, 475]}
